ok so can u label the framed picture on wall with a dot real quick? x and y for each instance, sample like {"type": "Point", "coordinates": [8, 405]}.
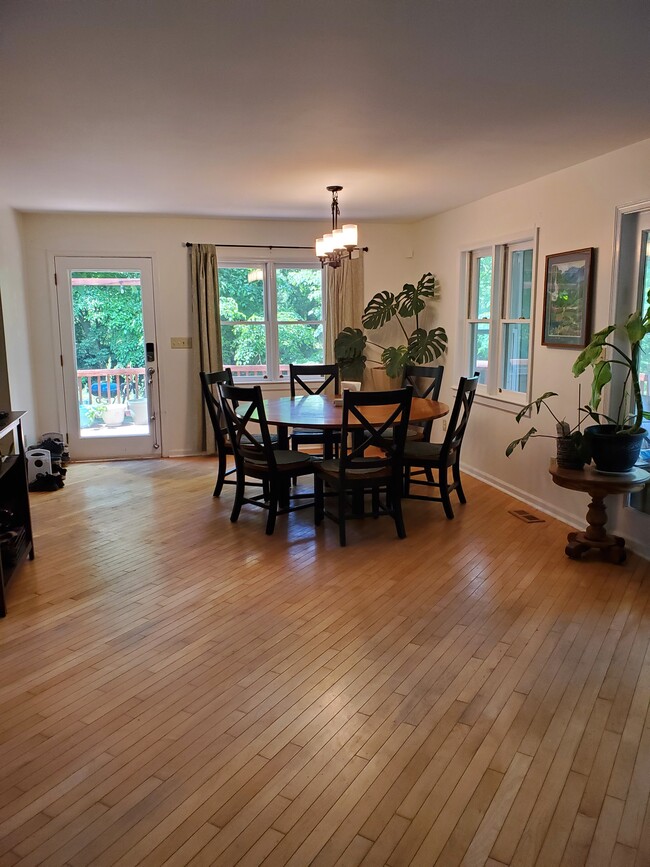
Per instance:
{"type": "Point", "coordinates": [568, 286]}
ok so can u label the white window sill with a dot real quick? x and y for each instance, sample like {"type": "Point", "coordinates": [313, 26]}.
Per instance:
{"type": "Point", "coordinates": [505, 404]}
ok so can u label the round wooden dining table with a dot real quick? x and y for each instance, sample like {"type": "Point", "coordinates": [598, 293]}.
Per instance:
{"type": "Point", "coordinates": [319, 412]}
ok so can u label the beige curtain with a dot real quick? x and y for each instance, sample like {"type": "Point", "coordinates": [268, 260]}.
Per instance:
{"type": "Point", "coordinates": [343, 301]}
{"type": "Point", "coordinates": [204, 281]}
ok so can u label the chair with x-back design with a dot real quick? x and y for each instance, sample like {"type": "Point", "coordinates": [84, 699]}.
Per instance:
{"type": "Point", "coordinates": [256, 457]}
{"type": "Point", "coordinates": [367, 417]}
{"type": "Point", "coordinates": [299, 379]}
{"type": "Point", "coordinates": [442, 456]}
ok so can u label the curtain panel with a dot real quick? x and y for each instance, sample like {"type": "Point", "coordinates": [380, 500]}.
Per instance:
{"type": "Point", "coordinates": [343, 301]}
{"type": "Point", "coordinates": [204, 280]}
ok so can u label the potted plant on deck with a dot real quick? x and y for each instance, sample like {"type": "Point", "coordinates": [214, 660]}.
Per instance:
{"type": "Point", "coordinates": [615, 443]}
{"type": "Point", "coordinates": [420, 346]}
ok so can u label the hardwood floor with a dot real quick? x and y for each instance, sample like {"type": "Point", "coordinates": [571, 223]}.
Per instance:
{"type": "Point", "coordinates": [177, 690]}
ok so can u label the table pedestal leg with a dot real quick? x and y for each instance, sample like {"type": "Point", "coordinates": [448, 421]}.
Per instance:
{"type": "Point", "coordinates": [611, 547]}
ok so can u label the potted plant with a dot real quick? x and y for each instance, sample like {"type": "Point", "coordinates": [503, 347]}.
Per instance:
{"type": "Point", "coordinates": [572, 448]}
{"type": "Point", "coordinates": [95, 413]}
{"type": "Point", "coordinates": [420, 346]}
{"type": "Point", "coordinates": [615, 443]}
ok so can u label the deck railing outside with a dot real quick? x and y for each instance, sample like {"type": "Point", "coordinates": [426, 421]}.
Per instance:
{"type": "Point", "coordinates": [116, 384]}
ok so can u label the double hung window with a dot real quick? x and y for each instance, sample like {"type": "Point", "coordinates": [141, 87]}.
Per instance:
{"type": "Point", "coordinates": [500, 297]}
{"type": "Point", "coordinates": [271, 316]}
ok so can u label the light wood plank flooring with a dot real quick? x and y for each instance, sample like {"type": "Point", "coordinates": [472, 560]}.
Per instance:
{"type": "Point", "coordinates": [175, 689]}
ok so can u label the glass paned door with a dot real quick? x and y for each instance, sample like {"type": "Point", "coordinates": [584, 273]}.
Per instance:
{"type": "Point", "coordinates": [108, 357]}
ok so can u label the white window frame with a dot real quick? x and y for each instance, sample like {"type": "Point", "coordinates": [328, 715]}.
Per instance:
{"type": "Point", "coordinates": [271, 321]}
{"type": "Point", "coordinates": [491, 392]}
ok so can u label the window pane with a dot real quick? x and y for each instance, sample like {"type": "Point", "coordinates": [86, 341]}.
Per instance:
{"type": "Point", "coordinates": [241, 300]}
{"type": "Point", "coordinates": [243, 348]}
{"type": "Point", "coordinates": [300, 344]}
{"type": "Point", "coordinates": [480, 343]}
{"type": "Point", "coordinates": [514, 375]}
{"type": "Point", "coordinates": [521, 280]}
{"type": "Point", "coordinates": [300, 294]}
{"type": "Point", "coordinates": [481, 287]}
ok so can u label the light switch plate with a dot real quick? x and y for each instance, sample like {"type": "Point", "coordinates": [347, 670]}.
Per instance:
{"type": "Point", "coordinates": [181, 342]}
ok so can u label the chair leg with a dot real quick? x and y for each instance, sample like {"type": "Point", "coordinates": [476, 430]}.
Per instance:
{"type": "Point", "coordinates": [319, 498]}
{"type": "Point", "coordinates": [273, 511]}
{"type": "Point", "coordinates": [221, 475]}
{"type": "Point", "coordinates": [459, 487]}
{"type": "Point", "coordinates": [239, 497]}
{"type": "Point", "coordinates": [397, 512]}
{"type": "Point", "coordinates": [342, 517]}
{"type": "Point", "coordinates": [444, 492]}
{"type": "Point", "coordinates": [429, 474]}
{"type": "Point", "coordinates": [407, 481]}
{"type": "Point", "coordinates": [375, 502]}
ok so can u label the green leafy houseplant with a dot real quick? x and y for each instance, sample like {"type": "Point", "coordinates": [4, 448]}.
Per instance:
{"type": "Point", "coordinates": [421, 346]}
{"type": "Point", "coordinates": [572, 449]}
{"type": "Point", "coordinates": [616, 441]}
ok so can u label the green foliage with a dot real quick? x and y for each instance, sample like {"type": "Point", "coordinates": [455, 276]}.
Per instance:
{"type": "Point", "coordinates": [299, 301]}
{"type": "Point", "coordinates": [632, 334]}
{"type": "Point", "coordinates": [562, 428]}
{"type": "Point", "coordinates": [108, 322]}
{"type": "Point", "coordinates": [379, 310]}
{"type": "Point", "coordinates": [349, 349]}
{"type": "Point", "coordinates": [394, 359]}
{"type": "Point", "coordinates": [422, 346]}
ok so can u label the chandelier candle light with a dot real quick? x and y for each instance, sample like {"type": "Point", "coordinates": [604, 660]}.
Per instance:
{"type": "Point", "coordinates": [340, 243]}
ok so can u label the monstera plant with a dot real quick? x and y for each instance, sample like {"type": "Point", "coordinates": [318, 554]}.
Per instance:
{"type": "Point", "coordinates": [420, 346]}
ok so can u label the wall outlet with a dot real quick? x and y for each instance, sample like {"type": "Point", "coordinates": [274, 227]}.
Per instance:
{"type": "Point", "coordinates": [181, 342]}
{"type": "Point", "coordinates": [444, 424]}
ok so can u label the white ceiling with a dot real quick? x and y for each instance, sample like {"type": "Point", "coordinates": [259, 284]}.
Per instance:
{"type": "Point", "coordinates": [250, 108]}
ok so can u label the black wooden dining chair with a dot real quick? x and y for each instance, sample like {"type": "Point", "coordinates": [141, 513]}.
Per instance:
{"type": "Point", "coordinates": [355, 472]}
{"type": "Point", "coordinates": [426, 382]}
{"type": "Point", "coordinates": [256, 457]}
{"type": "Point", "coordinates": [210, 382]}
{"type": "Point", "coordinates": [443, 456]}
{"type": "Point", "coordinates": [298, 379]}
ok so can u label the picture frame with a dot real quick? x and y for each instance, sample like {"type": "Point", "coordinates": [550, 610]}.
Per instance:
{"type": "Point", "coordinates": [568, 290]}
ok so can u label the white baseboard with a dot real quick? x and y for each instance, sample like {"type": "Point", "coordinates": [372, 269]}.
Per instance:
{"type": "Point", "coordinates": [570, 518]}
{"type": "Point", "coordinates": [639, 546]}
{"type": "Point", "coordinates": [185, 453]}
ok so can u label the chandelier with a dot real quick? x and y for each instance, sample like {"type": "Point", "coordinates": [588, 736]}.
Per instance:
{"type": "Point", "coordinates": [338, 244]}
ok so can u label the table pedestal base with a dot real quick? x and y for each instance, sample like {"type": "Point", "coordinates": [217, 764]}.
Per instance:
{"type": "Point", "coordinates": [612, 548]}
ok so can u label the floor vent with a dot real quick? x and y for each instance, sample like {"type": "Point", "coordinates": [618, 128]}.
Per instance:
{"type": "Point", "coordinates": [526, 516]}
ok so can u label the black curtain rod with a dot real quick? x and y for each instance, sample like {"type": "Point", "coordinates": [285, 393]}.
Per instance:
{"type": "Point", "coordinates": [258, 246]}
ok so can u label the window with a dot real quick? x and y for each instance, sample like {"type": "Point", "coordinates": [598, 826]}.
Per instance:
{"type": "Point", "coordinates": [271, 316]}
{"type": "Point", "coordinates": [500, 281]}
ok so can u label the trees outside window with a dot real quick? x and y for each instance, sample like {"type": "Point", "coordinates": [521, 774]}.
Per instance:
{"type": "Point", "coordinates": [271, 315]}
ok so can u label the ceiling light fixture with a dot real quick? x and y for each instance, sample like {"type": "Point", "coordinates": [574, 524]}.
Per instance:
{"type": "Point", "coordinates": [255, 275]}
{"type": "Point", "coordinates": [338, 244]}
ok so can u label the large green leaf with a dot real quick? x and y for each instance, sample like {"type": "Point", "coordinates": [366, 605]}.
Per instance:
{"type": "Point", "coordinates": [520, 442]}
{"type": "Point", "coordinates": [350, 343]}
{"type": "Point", "coordinates": [602, 375]}
{"type": "Point", "coordinates": [591, 352]}
{"type": "Point", "coordinates": [424, 345]}
{"type": "Point", "coordinates": [411, 300]}
{"type": "Point", "coordinates": [394, 359]}
{"type": "Point", "coordinates": [537, 403]}
{"type": "Point", "coordinates": [379, 310]}
{"type": "Point", "coordinates": [635, 327]}
{"type": "Point", "coordinates": [352, 368]}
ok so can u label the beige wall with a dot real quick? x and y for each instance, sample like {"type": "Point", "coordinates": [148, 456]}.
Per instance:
{"type": "Point", "coordinates": [572, 209]}
{"type": "Point", "coordinates": [387, 266]}
{"type": "Point", "coordinates": [18, 373]}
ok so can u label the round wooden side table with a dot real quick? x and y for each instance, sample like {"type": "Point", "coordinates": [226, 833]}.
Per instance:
{"type": "Point", "coordinates": [598, 486]}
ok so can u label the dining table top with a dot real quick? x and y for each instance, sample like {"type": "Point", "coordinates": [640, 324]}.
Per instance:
{"type": "Point", "coordinates": [321, 413]}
